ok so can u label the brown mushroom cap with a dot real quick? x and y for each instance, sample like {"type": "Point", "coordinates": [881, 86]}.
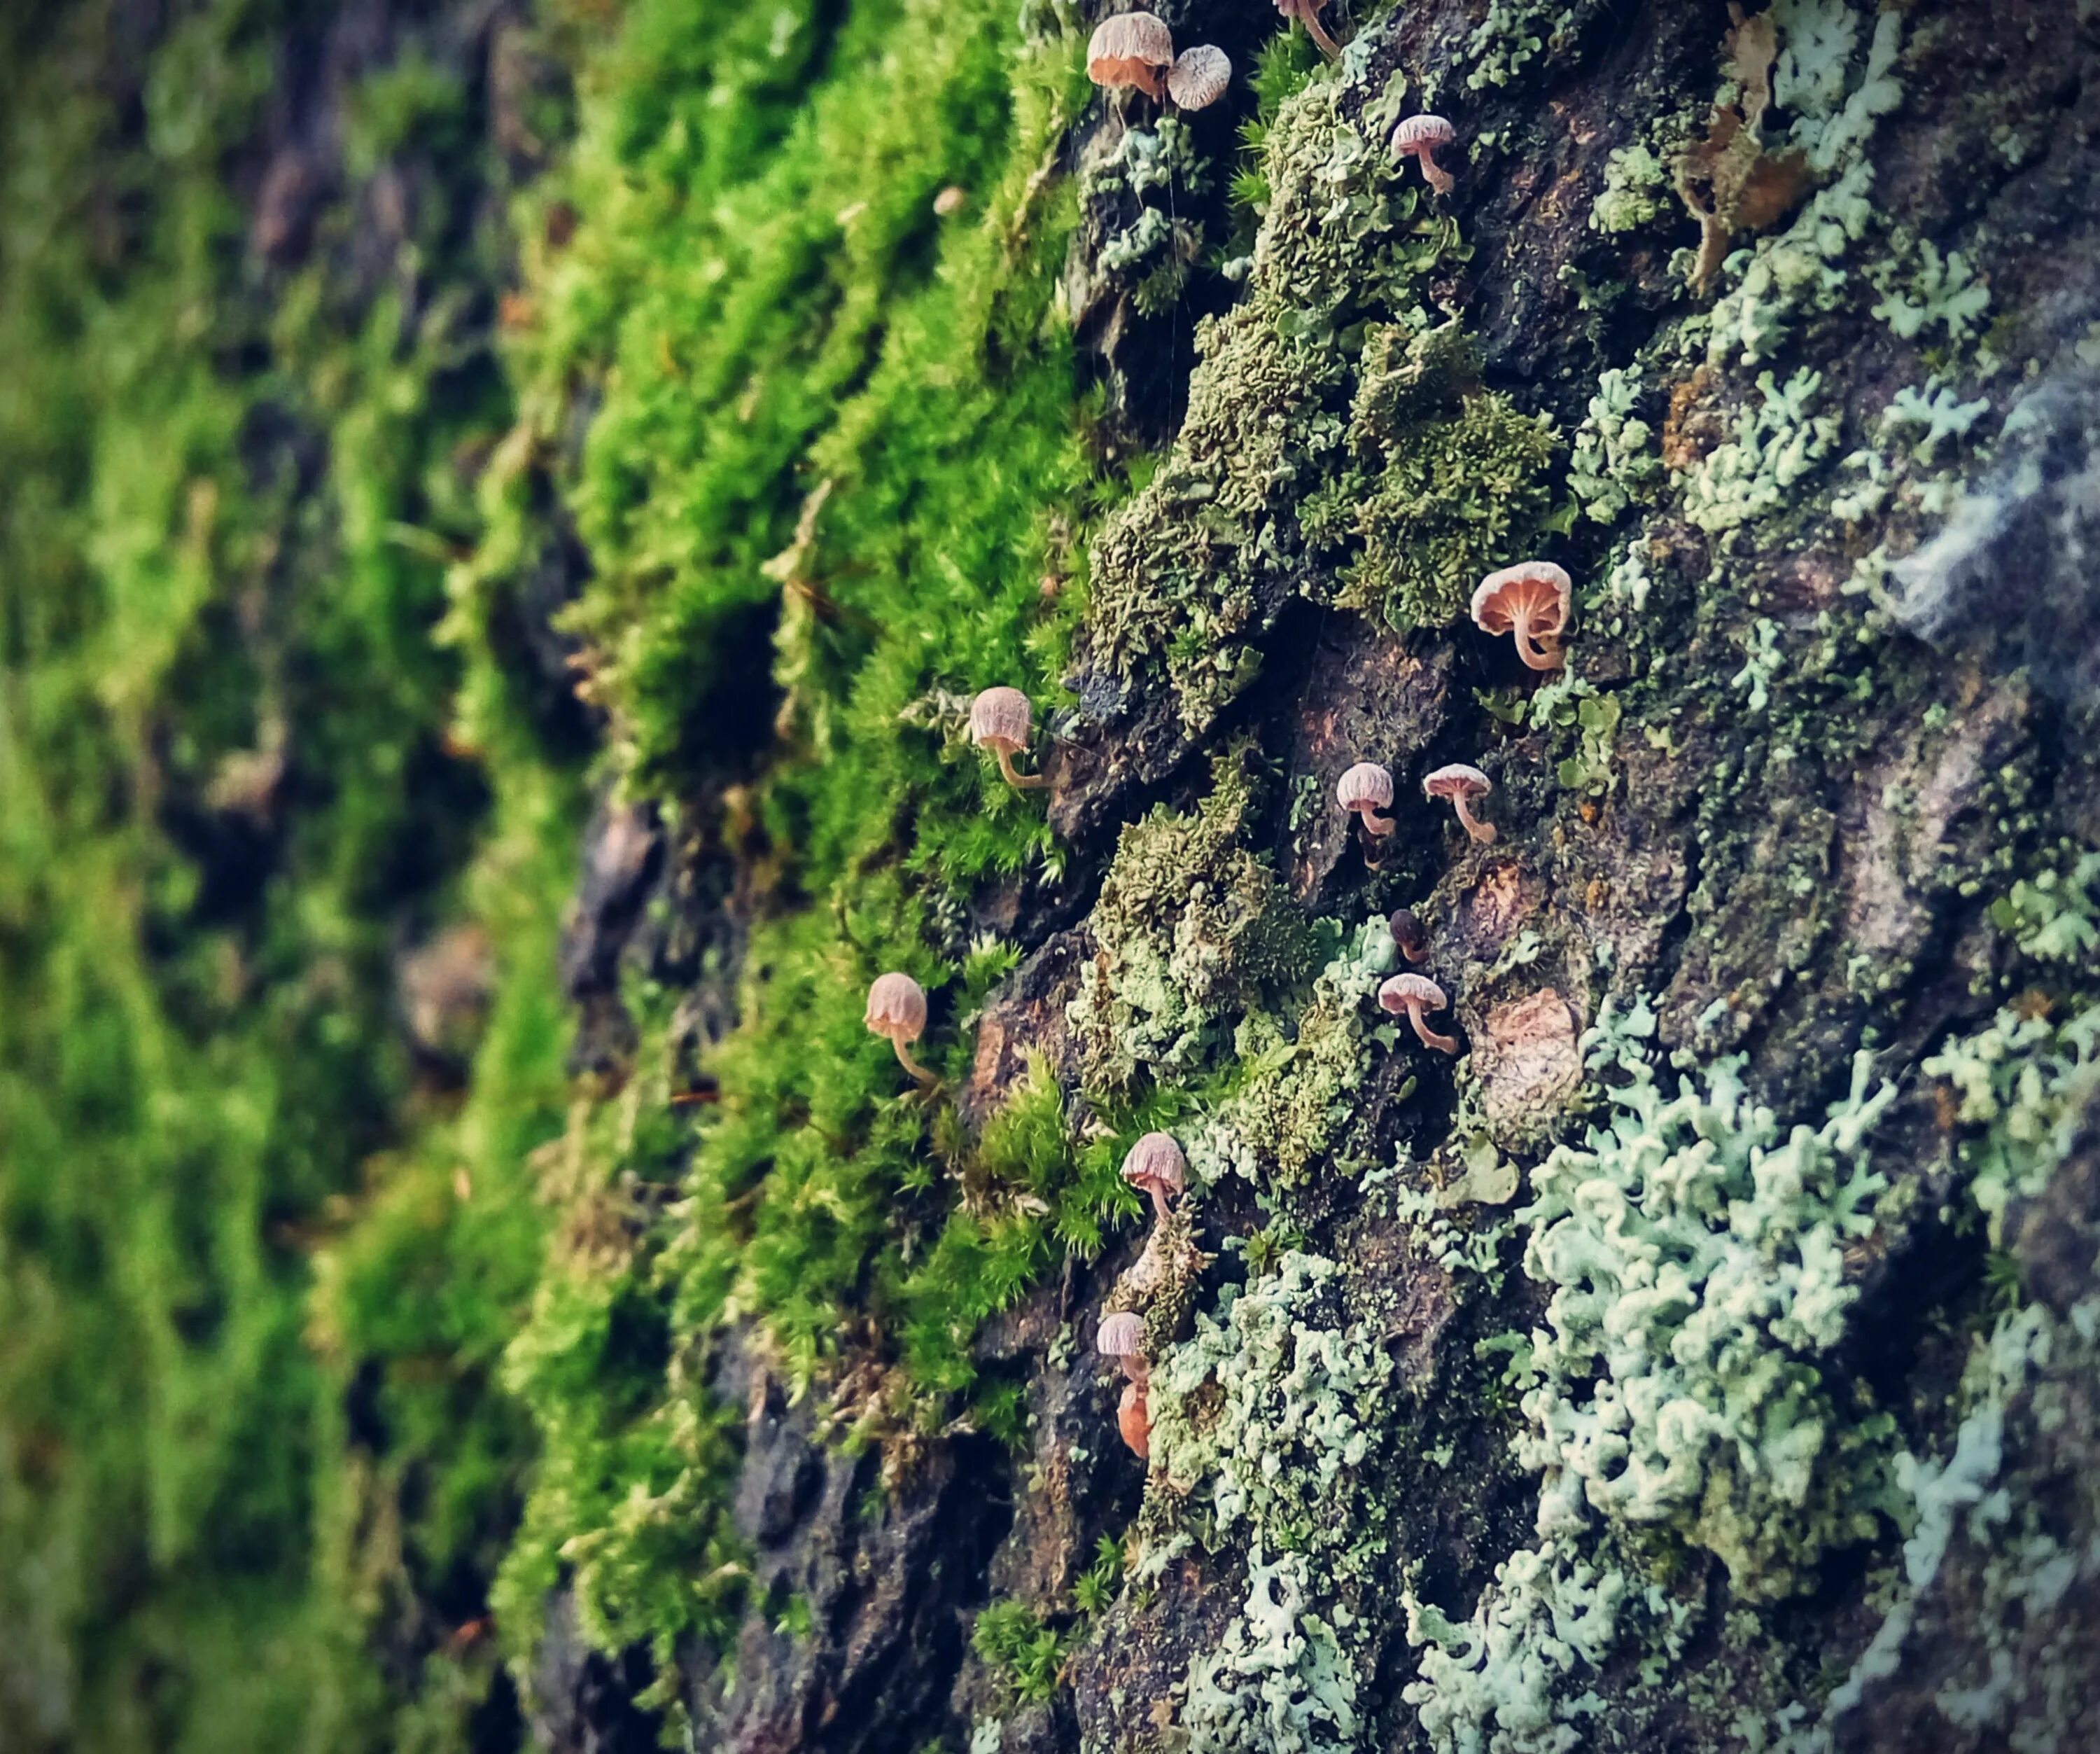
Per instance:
{"type": "Point", "coordinates": [1001, 718]}
{"type": "Point", "coordinates": [1199, 76]}
{"type": "Point", "coordinates": [1365, 786]}
{"type": "Point", "coordinates": [1418, 132]}
{"type": "Point", "coordinates": [1130, 49]}
{"type": "Point", "coordinates": [1121, 1336]}
{"type": "Point", "coordinates": [896, 1007]}
{"type": "Point", "coordinates": [1155, 1164]}
{"type": "Point", "coordinates": [1458, 781]}
{"type": "Point", "coordinates": [1402, 990]}
{"type": "Point", "coordinates": [1537, 589]}
{"type": "Point", "coordinates": [1407, 934]}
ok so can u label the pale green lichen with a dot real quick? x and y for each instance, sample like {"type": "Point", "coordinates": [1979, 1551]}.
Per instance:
{"type": "Point", "coordinates": [1515, 1679]}
{"type": "Point", "coordinates": [1938, 291]}
{"type": "Point", "coordinates": [1637, 191]}
{"type": "Point", "coordinates": [2055, 916]}
{"type": "Point", "coordinates": [1836, 97]}
{"type": "Point", "coordinates": [1778, 442]}
{"type": "Point", "coordinates": [1161, 168]}
{"type": "Point", "coordinates": [1694, 1248]}
{"type": "Point", "coordinates": [1263, 1424]}
{"type": "Point", "coordinates": [1513, 34]}
{"type": "Point", "coordinates": [1615, 465]}
{"type": "Point", "coordinates": [1935, 413]}
{"type": "Point", "coordinates": [1578, 713]}
{"type": "Point", "coordinates": [2023, 1082]}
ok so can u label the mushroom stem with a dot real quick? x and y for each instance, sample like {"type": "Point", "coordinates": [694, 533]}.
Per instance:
{"type": "Point", "coordinates": [1482, 832]}
{"type": "Point", "coordinates": [1159, 1205]}
{"type": "Point", "coordinates": [1328, 46]}
{"type": "Point", "coordinates": [927, 1080]}
{"type": "Point", "coordinates": [1434, 174]}
{"type": "Point", "coordinates": [1134, 1421]}
{"type": "Point", "coordinates": [1019, 782]}
{"type": "Point", "coordinates": [1429, 1037]}
{"type": "Point", "coordinates": [1373, 857]}
{"type": "Point", "coordinates": [1535, 652]}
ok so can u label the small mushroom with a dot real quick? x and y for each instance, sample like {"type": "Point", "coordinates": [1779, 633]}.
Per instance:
{"type": "Point", "coordinates": [1198, 76]}
{"type": "Point", "coordinates": [1366, 789]}
{"type": "Point", "coordinates": [1155, 1164]}
{"type": "Point", "coordinates": [1001, 721]}
{"type": "Point", "coordinates": [951, 200]}
{"type": "Point", "coordinates": [1407, 933]}
{"type": "Point", "coordinates": [1134, 1420]}
{"type": "Point", "coordinates": [1307, 12]}
{"type": "Point", "coordinates": [1121, 1337]}
{"type": "Point", "coordinates": [1420, 136]}
{"type": "Point", "coordinates": [1460, 784]}
{"type": "Point", "coordinates": [896, 1007]}
{"type": "Point", "coordinates": [1133, 49]}
{"type": "Point", "coordinates": [1415, 994]}
{"type": "Point", "coordinates": [1530, 601]}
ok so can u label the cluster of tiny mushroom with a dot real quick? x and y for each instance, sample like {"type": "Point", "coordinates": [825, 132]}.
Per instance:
{"type": "Point", "coordinates": [1155, 1166]}
{"type": "Point", "coordinates": [1528, 602]}
{"type": "Point", "coordinates": [1135, 51]}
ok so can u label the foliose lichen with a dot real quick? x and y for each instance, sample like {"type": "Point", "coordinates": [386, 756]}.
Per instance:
{"type": "Point", "coordinates": [1264, 1424]}
{"type": "Point", "coordinates": [1683, 1376]}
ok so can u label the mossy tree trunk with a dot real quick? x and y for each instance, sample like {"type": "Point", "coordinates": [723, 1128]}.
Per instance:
{"type": "Point", "coordinates": [1703, 1357]}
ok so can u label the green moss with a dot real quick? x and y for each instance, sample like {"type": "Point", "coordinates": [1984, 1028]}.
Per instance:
{"type": "Point", "coordinates": [249, 1392]}
{"type": "Point", "coordinates": [1191, 929]}
{"type": "Point", "coordinates": [1025, 1654]}
{"type": "Point", "coordinates": [1450, 479]}
{"type": "Point", "coordinates": [1288, 1099]}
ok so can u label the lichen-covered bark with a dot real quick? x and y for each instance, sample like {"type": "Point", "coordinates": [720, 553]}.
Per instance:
{"type": "Point", "coordinates": [1650, 1377]}
{"type": "Point", "coordinates": [1701, 1357]}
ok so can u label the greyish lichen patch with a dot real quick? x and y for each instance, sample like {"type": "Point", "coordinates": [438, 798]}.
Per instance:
{"type": "Point", "coordinates": [1266, 1421]}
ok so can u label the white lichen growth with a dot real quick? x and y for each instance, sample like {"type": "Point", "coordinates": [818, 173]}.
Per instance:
{"type": "Point", "coordinates": [1513, 1679]}
{"type": "Point", "coordinates": [1778, 442]}
{"type": "Point", "coordinates": [1938, 291]}
{"type": "Point", "coordinates": [2022, 1082]}
{"type": "Point", "coordinates": [1263, 1422]}
{"type": "Point", "coordinates": [1614, 464]}
{"type": "Point", "coordinates": [1836, 96]}
{"type": "Point", "coordinates": [1936, 414]}
{"type": "Point", "coordinates": [1695, 1250]}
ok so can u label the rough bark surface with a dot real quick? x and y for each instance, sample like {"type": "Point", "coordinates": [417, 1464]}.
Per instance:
{"type": "Point", "coordinates": [1744, 880]}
